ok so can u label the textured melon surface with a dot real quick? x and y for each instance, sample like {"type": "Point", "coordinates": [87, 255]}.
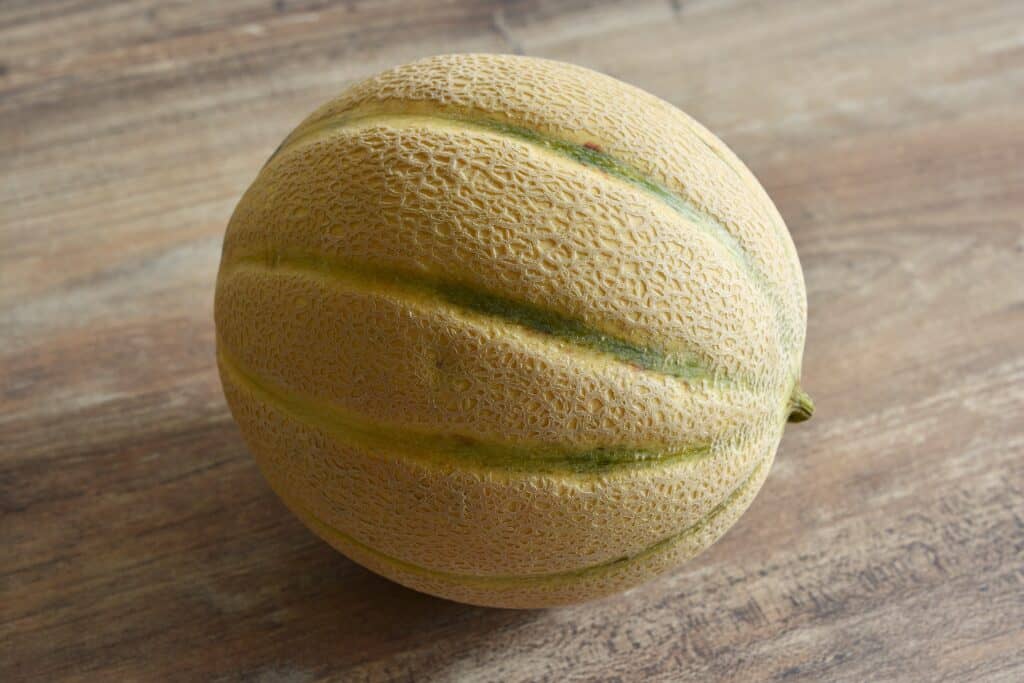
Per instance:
{"type": "Point", "coordinates": [510, 331]}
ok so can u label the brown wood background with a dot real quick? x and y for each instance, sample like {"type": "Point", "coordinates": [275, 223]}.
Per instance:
{"type": "Point", "coordinates": [138, 539]}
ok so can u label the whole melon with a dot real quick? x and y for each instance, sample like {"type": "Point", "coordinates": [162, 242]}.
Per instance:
{"type": "Point", "coordinates": [509, 331]}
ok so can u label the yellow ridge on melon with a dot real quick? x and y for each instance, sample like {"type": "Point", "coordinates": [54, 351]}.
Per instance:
{"type": "Point", "coordinates": [544, 590]}
{"type": "Point", "coordinates": [456, 450]}
{"type": "Point", "coordinates": [722, 508]}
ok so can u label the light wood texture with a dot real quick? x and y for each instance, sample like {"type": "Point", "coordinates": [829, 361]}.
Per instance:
{"type": "Point", "coordinates": [138, 540]}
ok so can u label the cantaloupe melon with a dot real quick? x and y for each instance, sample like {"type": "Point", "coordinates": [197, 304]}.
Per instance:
{"type": "Point", "coordinates": [510, 331]}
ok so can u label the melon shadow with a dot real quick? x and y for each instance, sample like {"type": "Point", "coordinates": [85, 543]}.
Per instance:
{"type": "Point", "coordinates": [291, 603]}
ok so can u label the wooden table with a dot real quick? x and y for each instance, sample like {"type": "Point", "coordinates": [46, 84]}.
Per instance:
{"type": "Point", "coordinates": [138, 539]}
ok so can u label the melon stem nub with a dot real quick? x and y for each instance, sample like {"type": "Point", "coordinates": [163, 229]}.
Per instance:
{"type": "Point", "coordinates": [801, 407]}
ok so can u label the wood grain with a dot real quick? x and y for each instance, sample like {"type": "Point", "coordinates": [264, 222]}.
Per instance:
{"type": "Point", "coordinates": [138, 539]}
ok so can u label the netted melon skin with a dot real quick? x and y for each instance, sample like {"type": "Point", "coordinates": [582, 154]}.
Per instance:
{"type": "Point", "coordinates": [509, 331]}
{"type": "Point", "coordinates": [550, 590]}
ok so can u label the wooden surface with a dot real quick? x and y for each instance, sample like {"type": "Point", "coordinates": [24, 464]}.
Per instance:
{"type": "Point", "coordinates": [138, 541]}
